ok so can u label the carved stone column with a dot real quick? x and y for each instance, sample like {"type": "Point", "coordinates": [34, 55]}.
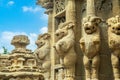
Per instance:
{"type": "Point", "coordinates": [90, 42]}
{"type": "Point", "coordinates": [70, 11]}
{"type": "Point", "coordinates": [90, 46]}
{"type": "Point", "coordinates": [114, 44]}
{"type": "Point", "coordinates": [90, 8]}
{"type": "Point", "coordinates": [42, 54]}
{"type": "Point", "coordinates": [114, 38]}
{"type": "Point", "coordinates": [49, 11]}
{"type": "Point", "coordinates": [65, 49]}
{"type": "Point", "coordinates": [48, 4]}
{"type": "Point", "coordinates": [50, 21]}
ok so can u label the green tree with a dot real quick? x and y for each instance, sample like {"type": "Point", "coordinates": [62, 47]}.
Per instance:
{"type": "Point", "coordinates": [5, 50]}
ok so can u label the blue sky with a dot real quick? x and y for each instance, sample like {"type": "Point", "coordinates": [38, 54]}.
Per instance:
{"type": "Point", "coordinates": [21, 17]}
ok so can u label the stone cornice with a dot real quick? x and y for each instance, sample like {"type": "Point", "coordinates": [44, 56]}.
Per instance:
{"type": "Point", "coordinates": [48, 4]}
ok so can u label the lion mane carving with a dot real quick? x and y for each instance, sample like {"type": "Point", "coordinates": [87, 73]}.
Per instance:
{"type": "Point", "coordinates": [90, 44]}
{"type": "Point", "coordinates": [42, 54]}
{"type": "Point", "coordinates": [65, 49]}
{"type": "Point", "coordinates": [114, 44]}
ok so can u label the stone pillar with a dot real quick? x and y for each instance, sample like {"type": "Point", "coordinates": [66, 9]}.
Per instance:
{"type": "Point", "coordinates": [49, 11]}
{"type": "Point", "coordinates": [52, 50]}
{"type": "Point", "coordinates": [51, 31]}
{"type": "Point", "coordinates": [90, 8]}
{"type": "Point", "coordinates": [48, 4]}
{"type": "Point", "coordinates": [70, 11]}
{"type": "Point", "coordinates": [50, 15]}
{"type": "Point", "coordinates": [116, 7]}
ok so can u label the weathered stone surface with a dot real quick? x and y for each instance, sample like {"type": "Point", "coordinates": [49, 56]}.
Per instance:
{"type": "Point", "coordinates": [76, 47]}
{"type": "Point", "coordinates": [65, 49]}
{"type": "Point", "coordinates": [114, 44]}
{"type": "Point", "coordinates": [23, 63]}
{"type": "Point", "coordinates": [42, 54]}
{"type": "Point", "coordinates": [90, 45]}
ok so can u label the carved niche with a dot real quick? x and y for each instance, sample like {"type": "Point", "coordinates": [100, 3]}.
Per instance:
{"type": "Point", "coordinates": [42, 54]}
{"type": "Point", "coordinates": [59, 5]}
{"type": "Point", "coordinates": [114, 44]}
{"type": "Point", "coordinates": [90, 44]}
{"type": "Point", "coordinates": [65, 49]}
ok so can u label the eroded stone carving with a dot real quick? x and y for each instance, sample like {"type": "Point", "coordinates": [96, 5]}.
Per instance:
{"type": "Point", "coordinates": [42, 54]}
{"type": "Point", "coordinates": [65, 49]}
{"type": "Point", "coordinates": [90, 44]}
{"type": "Point", "coordinates": [22, 62]}
{"type": "Point", "coordinates": [60, 5]}
{"type": "Point", "coordinates": [20, 42]}
{"type": "Point", "coordinates": [114, 44]}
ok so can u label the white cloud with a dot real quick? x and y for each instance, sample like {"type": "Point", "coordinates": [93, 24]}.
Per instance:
{"type": "Point", "coordinates": [30, 9]}
{"type": "Point", "coordinates": [10, 3]}
{"type": "Point", "coordinates": [44, 17]}
{"type": "Point", "coordinates": [1, 50]}
{"type": "Point", "coordinates": [43, 30]}
{"type": "Point", "coordinates": [32, 37]}
{"type": "Point", "coordinates": [7, 36]}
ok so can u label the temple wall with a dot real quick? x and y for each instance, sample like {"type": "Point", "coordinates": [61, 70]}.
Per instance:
{"type": "Point", "coordinates": [60, 13]}
{"type": "Point", "coordinates": [104, 11]}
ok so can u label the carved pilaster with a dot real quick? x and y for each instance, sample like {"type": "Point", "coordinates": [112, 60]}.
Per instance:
{"type": "Point", "coordinates": [42, 54]}
{"type": "Point", "coordinates": [114, 44]}
{"type": "Point", "coordinates": [90, 45]}
{"type": "Point", "coordinates": [90, 42]}
{"type": "Point", "coordinates": [90, 8]}
{"type": "Point", "coordinates": [65, 48]}
{"type": "Point", "coordinates": [70, 11]}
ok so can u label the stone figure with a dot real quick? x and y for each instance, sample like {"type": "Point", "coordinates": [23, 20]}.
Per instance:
{"type": "Point", "coordinates": [65, 49]}
{"type": "Point", "coordinates": [42, 54]}
{"type": "Point", "coordinates": [90, 44]}
{"type": "Point", "coordinates": [114, 44]}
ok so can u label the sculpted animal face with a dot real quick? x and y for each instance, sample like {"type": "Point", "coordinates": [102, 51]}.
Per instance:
{"type": "Point", "coordinates": [40, 43]}
{"type": "Point", "coordinates": [63, 30]}
{"type": "Point", "coordinates": [90, 24]}
{"type": "Point", "coordinates": [89, 28]}
{"type": "Point", "coordinates": [115, 28]}
{"type": "Point", "coordinates": [42, 39]}
{"type": "Point", "coordinates": [60, 33]}
{"type": "Point", "coordinates": [114, 25]}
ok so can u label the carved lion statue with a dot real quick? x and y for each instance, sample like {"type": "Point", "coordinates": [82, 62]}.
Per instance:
{"type": "Point", "coordinates": [65, 49]}
{"type": "Point", "coordinates": [114, 44]}
{"type": "Point", "coordinates": [42, 53]}
{"type": "Point", "coordinates": [90, 44]}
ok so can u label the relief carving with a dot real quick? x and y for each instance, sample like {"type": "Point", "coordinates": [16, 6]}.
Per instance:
{"type": "Point", "coordinates": [42, 54]}
{"type": "Point", "coordinates": [90, 45]}
{"type": "Point", "coordinates": [114, 44]}
{"type": "Point", "coordinates": [20, 42]}
{"type": "Point", "coordinates": [65, 49]}
{"type": "Point", "coordinates": [60, 5]}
